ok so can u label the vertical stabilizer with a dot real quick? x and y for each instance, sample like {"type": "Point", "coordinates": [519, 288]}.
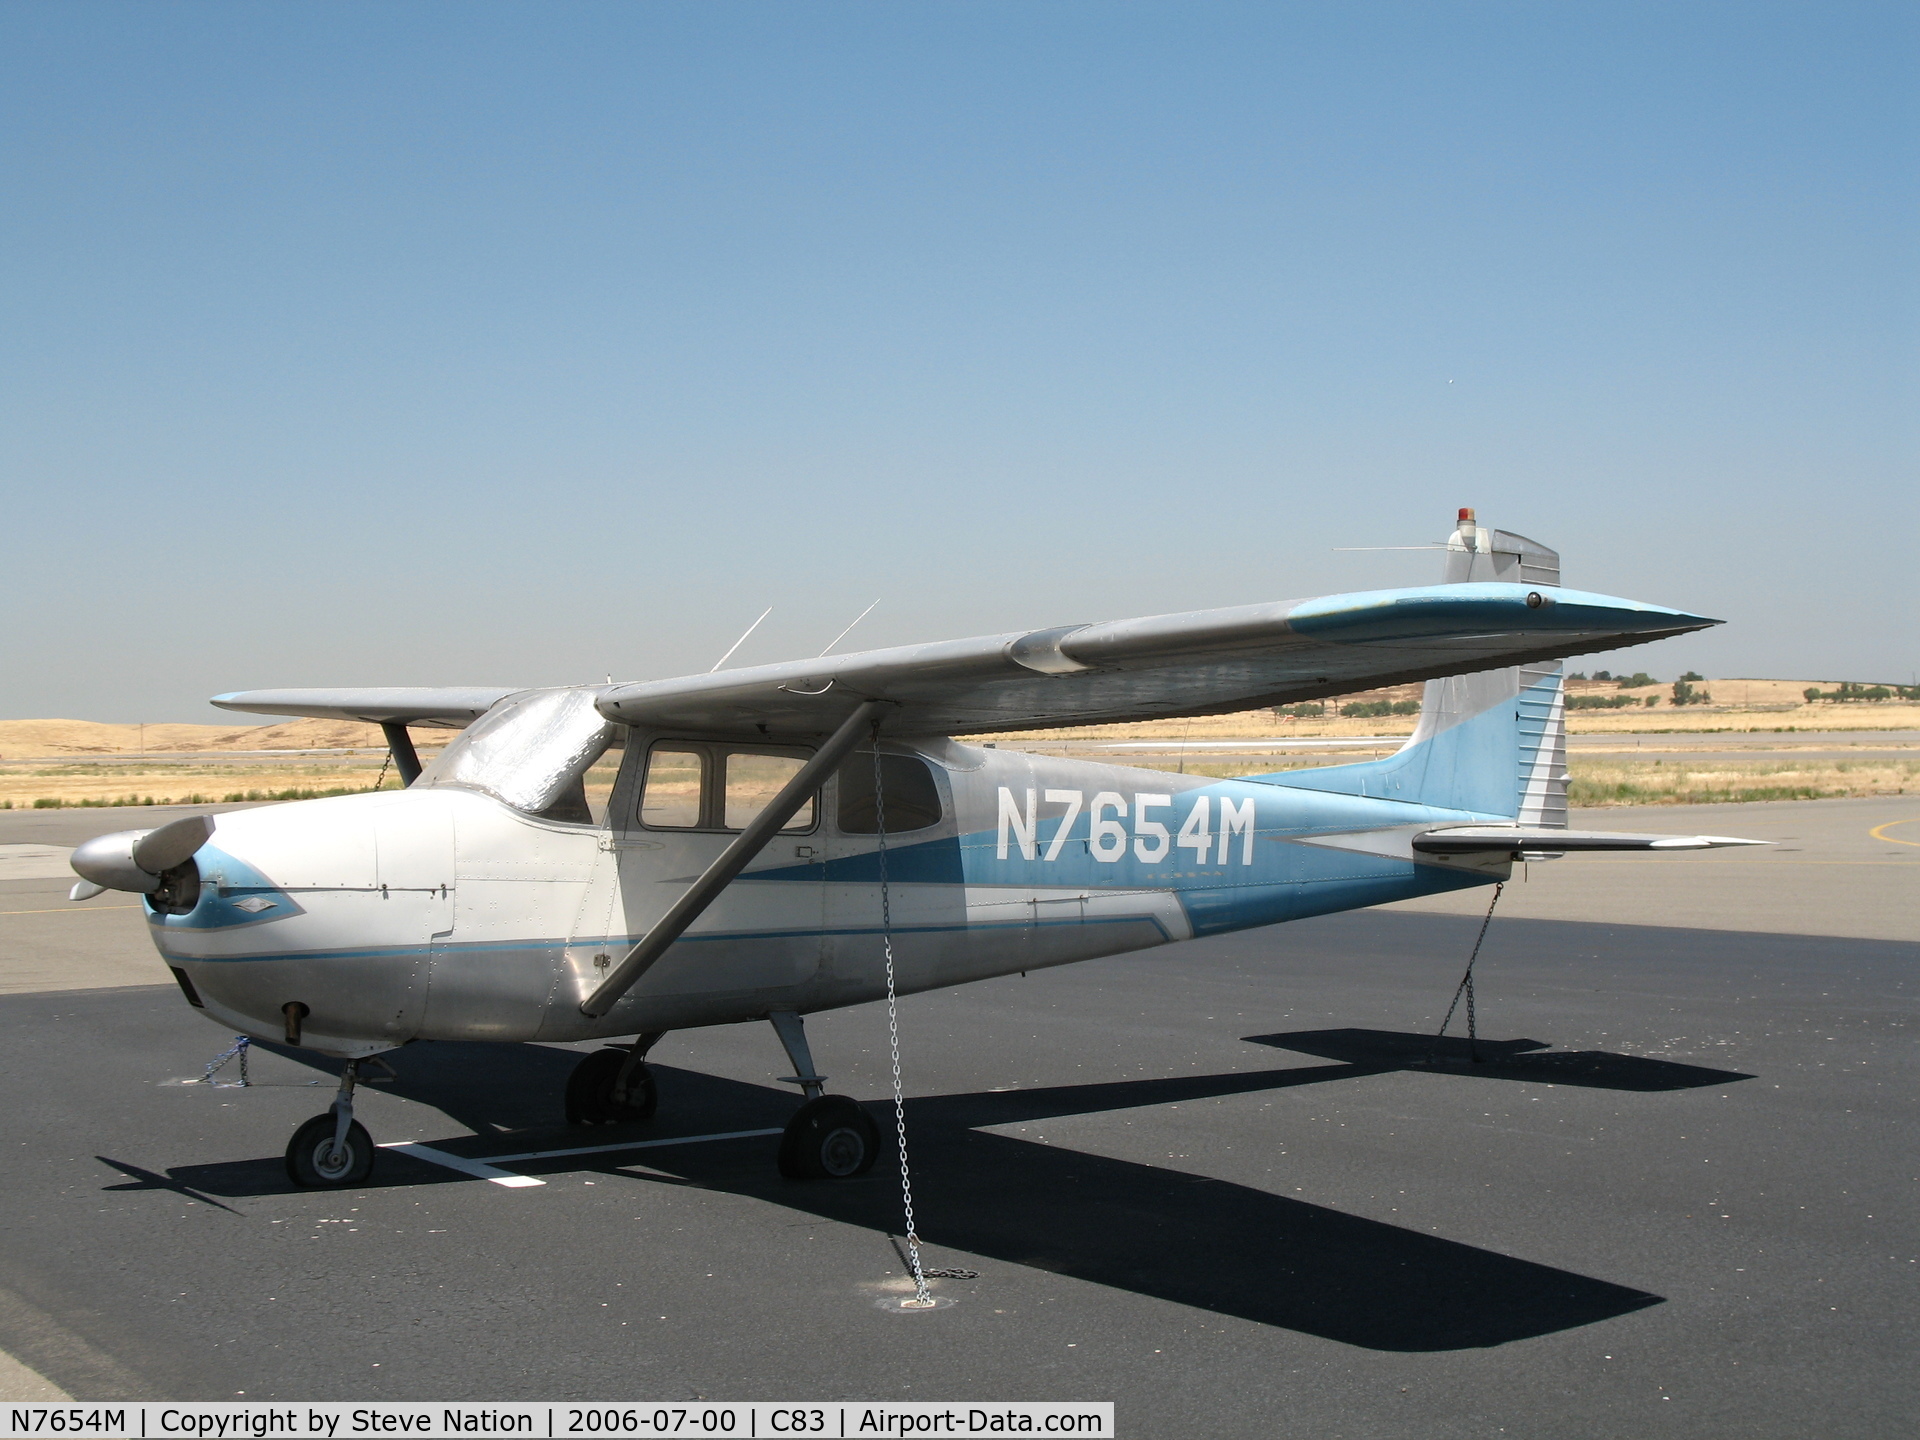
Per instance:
{"type": "Point", "coordinates": [1476, 553]}
{"type": "Point", "coordinates": [1494, 742]}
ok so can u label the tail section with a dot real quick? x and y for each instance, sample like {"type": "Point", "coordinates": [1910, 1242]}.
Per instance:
{"type": "Point", "coordinates": [1492, 743]}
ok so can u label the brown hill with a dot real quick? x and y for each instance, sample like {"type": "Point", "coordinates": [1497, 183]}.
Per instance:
{"type": "Point", "coordinates": [26, 738]}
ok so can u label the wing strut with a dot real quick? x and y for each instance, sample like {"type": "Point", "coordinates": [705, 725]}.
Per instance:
{"type": "Point", "coordinates": [400, 744]}
{"type": "Point", "coordinates": [735, 858]}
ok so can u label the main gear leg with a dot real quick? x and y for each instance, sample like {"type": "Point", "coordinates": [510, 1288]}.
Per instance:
{"type": "Point", "coordinates": [830, 1137]}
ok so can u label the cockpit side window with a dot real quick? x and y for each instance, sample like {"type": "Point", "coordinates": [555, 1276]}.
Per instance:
{"type": "Point", "coordinates": [701, 785]}
{"type": "Point", "coordinates": [545, 752]}
{"type": "Point", "coordinates": [673, 797]}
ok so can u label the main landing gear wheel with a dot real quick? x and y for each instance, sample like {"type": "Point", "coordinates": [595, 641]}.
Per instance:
{"type": "Point", "coordinates": [597, 1096]}
{"type": "Point", "coordinates": [830, 1138]}
{"type": "Point", "coordinates": [313, 1160]}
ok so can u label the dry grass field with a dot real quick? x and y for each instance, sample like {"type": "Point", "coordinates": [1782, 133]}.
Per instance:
{"type": "Point", "coordinates": [26, 787]}
{"type": "Point", "coordinates": [32, 739]}
{"type": "Point", "coordinates": [82, 762]}
{"type": "Point", "coordinates": [1678, 781]}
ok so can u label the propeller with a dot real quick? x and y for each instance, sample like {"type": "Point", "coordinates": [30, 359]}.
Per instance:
{"type": "Point", "coordinates": [136, 859]}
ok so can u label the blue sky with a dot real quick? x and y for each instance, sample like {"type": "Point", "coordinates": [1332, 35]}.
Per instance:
{"type": "Point", "coordinates": [373, 344]}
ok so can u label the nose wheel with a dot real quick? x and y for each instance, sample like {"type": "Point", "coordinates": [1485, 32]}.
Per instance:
{"type": "Point", "coordinates": [333, 1149]}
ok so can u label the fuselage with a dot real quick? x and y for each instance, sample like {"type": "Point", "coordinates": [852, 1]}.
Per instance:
{"type": "Point", "coordinates": [443, 912]}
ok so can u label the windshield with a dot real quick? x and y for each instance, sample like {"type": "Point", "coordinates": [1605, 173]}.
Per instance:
{"type": "Point", "coordinates": [532, 751]}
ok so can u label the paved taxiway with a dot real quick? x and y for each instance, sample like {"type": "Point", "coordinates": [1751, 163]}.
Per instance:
{"type": "Point", "coordinates": [1214, 1183]}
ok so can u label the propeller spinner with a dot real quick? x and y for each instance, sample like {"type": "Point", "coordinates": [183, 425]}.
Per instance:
{"type": "Point", "coordinates": [136, 860]}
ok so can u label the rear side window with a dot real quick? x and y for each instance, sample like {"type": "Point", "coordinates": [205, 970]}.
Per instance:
{"type": "Point", "coordinates": [911, 796]}
{"type": "Point", "coordinates": [752, 782]}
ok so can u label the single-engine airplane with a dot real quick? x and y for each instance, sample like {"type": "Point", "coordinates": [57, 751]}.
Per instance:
{"type": "Point", "coordinates": [591, 862]}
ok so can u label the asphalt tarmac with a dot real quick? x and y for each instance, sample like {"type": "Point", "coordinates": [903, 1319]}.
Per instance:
{"type": "Point", "coordinates": [1221, 1184]}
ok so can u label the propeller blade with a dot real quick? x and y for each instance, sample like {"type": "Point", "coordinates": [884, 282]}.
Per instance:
{"type": "Point", "coordinates": [166, 847]}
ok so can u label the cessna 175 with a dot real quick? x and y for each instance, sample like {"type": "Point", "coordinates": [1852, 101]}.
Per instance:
{"type": "Point", "coordinates": [589, 862]}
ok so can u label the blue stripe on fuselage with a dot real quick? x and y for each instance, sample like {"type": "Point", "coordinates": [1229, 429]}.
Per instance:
{"type": "Point", "coordinates": [1251, 882]}
{"type": "Point", "coordinates": [930, 862]}
{"type": "Point", "coordinates": [477, 947]}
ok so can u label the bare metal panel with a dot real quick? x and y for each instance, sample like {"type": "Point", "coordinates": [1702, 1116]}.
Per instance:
{"type": "Point", "coordinates": [1189, 664]}
{"type": "Point", "coordinates": [446, 706]}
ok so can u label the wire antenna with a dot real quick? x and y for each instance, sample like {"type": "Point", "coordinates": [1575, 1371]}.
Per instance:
{"type": "Point", "coordinates": [741, 641]}
{"type": "Point", "coordinates": [846, 632]}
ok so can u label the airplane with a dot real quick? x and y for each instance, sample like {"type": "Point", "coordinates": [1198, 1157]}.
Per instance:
{"type": "Point", "coordinates": [589, 862]}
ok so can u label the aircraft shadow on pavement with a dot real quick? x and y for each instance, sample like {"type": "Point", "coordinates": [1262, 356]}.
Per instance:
{"type": "Point", "coordinates": [1381, 1051]}
{"type": "Point", "coordinates": [1156, 1231]}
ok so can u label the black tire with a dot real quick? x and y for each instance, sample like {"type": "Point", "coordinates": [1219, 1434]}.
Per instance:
{"type": "Point", "coordinates": [829, 1139]}
{"type": "Point", "coordinates": [590, 1097]}
{"type": "Point", "coordinates": [311, 1163]}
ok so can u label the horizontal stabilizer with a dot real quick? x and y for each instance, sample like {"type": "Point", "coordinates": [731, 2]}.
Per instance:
{"type": "Point", "coordinates": [1478, 839]}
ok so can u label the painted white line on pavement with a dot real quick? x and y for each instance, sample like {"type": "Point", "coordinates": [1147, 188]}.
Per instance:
{"type": "Point", "coordinates": [487, 1169]}
{"type": "Point", "coordinates": [629, 1145]}
{"type": "Point", "coordinates": [463, 1165]}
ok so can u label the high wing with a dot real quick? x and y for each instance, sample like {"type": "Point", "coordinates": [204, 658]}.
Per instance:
{"type": "Point", "coordinates": [1204, 662]}
{"type": "Point", "coordinates": [444, 707]}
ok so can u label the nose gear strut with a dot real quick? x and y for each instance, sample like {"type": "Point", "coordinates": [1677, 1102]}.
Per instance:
{"type": "Point", "coordinates": [333, 1149]}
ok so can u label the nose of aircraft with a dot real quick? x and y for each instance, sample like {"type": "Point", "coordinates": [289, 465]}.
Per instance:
{"type": "Point", "coordinates": [136, 860]}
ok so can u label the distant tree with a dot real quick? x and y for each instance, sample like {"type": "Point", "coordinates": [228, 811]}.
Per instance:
{"type": "Point", "coordinates": [1854, 690]}
{"type": "Point", "coordinates": [1599, 675]}
{"type": "Point", "coordinates": [1653, 700]}
{"type": "Point", "coordinates": [1685, 694]}
{"type": "Point", "coordinates": [1691, 675]}
{"type": "Point", "coordinates": [1811, 694]}
{"type": "Point", "coordinates": [1636, 681]}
